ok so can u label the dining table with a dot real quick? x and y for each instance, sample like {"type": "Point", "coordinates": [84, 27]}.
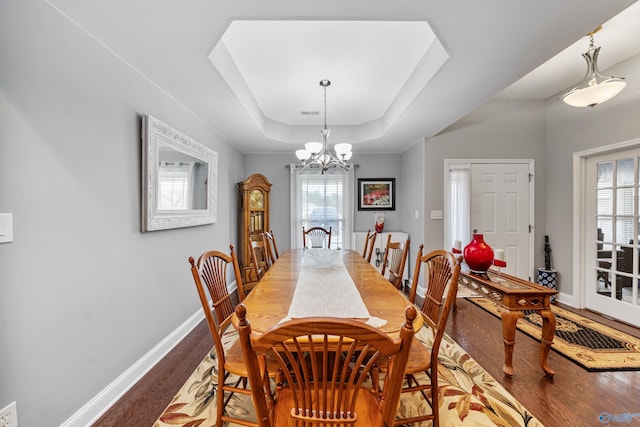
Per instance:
{"type": "Point", "coordinates": [350, 287]}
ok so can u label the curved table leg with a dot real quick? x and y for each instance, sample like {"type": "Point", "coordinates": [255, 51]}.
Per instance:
{"type": "Point", "coordinates": [548, 331]}
{"type": "Point", "coordinates": [509, 319]}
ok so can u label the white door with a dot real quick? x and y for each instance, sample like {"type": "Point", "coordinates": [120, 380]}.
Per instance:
{"type": "Point", "coordinates": [500, 209]}
{"type": "Point", "coordinates": [611, 227]}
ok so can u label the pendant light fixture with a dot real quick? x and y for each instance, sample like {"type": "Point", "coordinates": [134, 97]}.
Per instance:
{"type": "Point", "coordinates": [595, 88]}
{"type": "Point", "coordinates": [317, 154]}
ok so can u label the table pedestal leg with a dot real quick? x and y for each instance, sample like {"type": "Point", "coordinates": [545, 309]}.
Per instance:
{"type": "Point", "coordinates": [548, 331]}
{"type": "Point", "coordinates": [509, 319]}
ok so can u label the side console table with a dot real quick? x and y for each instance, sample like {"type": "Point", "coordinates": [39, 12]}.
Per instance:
{"type": "Point", "coordinates": [512, 296]}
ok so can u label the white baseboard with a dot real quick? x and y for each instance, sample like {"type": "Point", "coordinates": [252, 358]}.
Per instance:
{"type": "Point", "coordinates": [567, 299]}
{"type": "Point", "coordinates": [97, 406]}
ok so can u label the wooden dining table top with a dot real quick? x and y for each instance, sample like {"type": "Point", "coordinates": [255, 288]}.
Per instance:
{"type": "Point", "coordinates": [268, 302]}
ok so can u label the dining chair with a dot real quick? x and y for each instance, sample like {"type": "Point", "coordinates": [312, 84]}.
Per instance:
{"type": "Point", "coordinates": [210, 276]}
{"type": "Point", "coordinates": [395, 258]}
{"type": "Point", "coordinates": [259, 257]}
{"type": "Point", "coordinates": [325, 370]}
{"type": "Point", "coordinates": [270, 243]}
{"type": "Point", "coordinates": [369, 242]}
{"type": "Point", "coordinates": [440, 272]}
{"type": "Point", "coordinates": [318, 237]}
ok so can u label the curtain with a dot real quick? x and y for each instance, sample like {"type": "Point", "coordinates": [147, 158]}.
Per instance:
{"type": "Point", "coordinates": [322, 200]}
{"type": "Point", "coordinates": [459, 206]}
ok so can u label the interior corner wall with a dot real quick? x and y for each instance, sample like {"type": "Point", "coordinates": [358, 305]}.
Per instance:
{"type": "Point", "coordinates": [571, 130]}
{"type": "Point", "coordinates": [83, 293]}
{"type": "Point", "coordinates": [379, 165]}
{"type": "Point", "coordinates": [499, 129]}
{"type": "Point", "coordinates": [274, 167]}
{"type": "Point", "coordinates": [412, 213]}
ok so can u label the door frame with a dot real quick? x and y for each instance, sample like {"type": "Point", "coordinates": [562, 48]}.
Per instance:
{"type": "Point", "coordinates": [578, 298]}
{"type": "Point", "coordinates": [532, 217]}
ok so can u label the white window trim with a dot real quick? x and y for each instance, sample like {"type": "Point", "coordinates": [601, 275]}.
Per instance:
{"type": "Point", "coordinates": [348, 207]}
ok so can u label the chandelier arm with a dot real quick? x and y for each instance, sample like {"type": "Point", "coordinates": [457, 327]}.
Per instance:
{"type": "Point", "coordinates": [324, 158]}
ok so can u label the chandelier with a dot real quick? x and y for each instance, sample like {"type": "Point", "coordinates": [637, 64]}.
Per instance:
{"type": "Point", "coordinates": [317, 154]}
{"type": "Point", "coordinates": [595, 88]}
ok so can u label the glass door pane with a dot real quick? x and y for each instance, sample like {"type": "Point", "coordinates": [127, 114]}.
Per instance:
{"type": "Point", "coordinates": [615, 208]}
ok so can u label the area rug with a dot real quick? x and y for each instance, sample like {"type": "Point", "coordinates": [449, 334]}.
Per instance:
{"type": "Point", "coordinates": [592, 345]}
{"type": "Point", "coordinates": [470, 396]}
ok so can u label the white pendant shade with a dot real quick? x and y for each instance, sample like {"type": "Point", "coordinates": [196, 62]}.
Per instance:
{"type": "Point", "coordinates": [595, 88]}
{"type": "Point", "coordinates": [342, 149]}
{"type": "Point", "coordinates": [313, 147]}
{"type": "Point", "coordinates": [591, 96]}
{"type": "Point", "coordinates": [303, 154]}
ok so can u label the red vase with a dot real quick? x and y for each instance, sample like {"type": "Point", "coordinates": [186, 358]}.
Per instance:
{"type": "Point", "coordinates": [478, 254]}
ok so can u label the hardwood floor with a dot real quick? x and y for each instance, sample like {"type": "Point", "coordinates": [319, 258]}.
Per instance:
{"type": "Point", "coordinates": [574, 397]}
{"type": "Point", "coordinates": [144, 402]}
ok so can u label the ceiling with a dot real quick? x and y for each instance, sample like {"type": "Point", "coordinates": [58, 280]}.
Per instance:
{"type": "Point", "coordinates": [400, 70]}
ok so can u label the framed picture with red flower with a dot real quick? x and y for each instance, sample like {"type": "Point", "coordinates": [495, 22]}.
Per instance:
{"type": "Point", "coordinates": [376, 194]}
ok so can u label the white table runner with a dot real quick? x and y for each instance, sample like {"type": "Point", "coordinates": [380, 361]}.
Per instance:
{"type": "Point", "coordinates": [328, 291]}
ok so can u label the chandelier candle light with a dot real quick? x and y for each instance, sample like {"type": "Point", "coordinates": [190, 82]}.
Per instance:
{"type": "Point", "coordinates": [595, 88]}
{"type": "Point", "coordinates": [317, 154]}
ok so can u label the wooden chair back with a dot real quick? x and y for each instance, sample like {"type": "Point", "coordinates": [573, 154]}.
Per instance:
{"type": "Point", "coordinates": [440, 272]}
{"type": "Point", "coordinates": [210, 277]}
{"type": "Point", "coordinates": [259, 257]}
{"type": "Point", "coordinates": [395, 258]}
{"type": "Point", "coordinates": [316, 237]}
{"type": "Point", "coordinates": [326, 366]}
{"type": "Point", "coordinates": [369, 243]}
{"type": "Point", "coordinates": [270, 244]}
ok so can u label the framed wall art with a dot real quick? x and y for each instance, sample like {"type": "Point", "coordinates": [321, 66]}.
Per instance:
{"type": "Point", "coordinates": [376, 194]}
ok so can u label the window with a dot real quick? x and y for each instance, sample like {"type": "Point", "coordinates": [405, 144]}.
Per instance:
{"type": "Point", "coordinates": [174, 192]}
{"type": "Point", "coordinates": [322, 200]}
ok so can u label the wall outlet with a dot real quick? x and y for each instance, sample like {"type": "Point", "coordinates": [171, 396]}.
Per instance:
{"type": "Point", "coordinates": [9, 416]}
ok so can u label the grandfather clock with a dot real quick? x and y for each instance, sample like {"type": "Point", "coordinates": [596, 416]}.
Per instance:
{"type": "Point", "coordinates": [253, 220]}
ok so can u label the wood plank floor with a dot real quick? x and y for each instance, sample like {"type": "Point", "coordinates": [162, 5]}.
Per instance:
{"type": "Point", "coordinates": [574, 397]}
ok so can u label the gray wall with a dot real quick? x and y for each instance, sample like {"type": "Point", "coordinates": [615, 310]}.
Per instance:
{"type": "Point", "coordinates": [83, 293]}
{"type": "Point", "coordinates": [273, 166]}
{"type": "Point", "coordinates": [571, 130]}
{"type": "Point", "coordinates": [413, 199]}
{"type": "Point", "coordinates": [499, 129]}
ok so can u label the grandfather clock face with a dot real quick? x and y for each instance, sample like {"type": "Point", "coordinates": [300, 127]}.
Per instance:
{"type": "Point", "coordinates": [256, 199]}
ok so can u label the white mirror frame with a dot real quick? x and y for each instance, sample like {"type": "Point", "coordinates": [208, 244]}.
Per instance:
{"type": "Point", "coordinates": [154, 134]}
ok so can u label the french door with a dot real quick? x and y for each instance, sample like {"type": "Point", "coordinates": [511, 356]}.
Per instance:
{"type": "Point", "coordinates": [612, 226]}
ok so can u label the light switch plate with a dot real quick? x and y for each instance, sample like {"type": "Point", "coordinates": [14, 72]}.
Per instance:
{"type": "Point", "coordinates": [6, 228]}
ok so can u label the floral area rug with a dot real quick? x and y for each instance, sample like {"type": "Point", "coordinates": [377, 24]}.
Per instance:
{"type": "Point", "coordinates": [592, 345]}
{"type": "Point", "coordinates": [470, 396]}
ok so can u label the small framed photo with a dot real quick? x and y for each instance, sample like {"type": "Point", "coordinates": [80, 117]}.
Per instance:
{"type": "Point", "coordinates": [376, 194]}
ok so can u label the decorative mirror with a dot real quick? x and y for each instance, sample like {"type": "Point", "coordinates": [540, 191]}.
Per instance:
{"type": "Point", "coordinates": [179, 179]}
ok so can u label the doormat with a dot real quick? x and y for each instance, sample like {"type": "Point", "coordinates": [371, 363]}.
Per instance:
{"type": "Point", "coordinates": [592, 345]}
